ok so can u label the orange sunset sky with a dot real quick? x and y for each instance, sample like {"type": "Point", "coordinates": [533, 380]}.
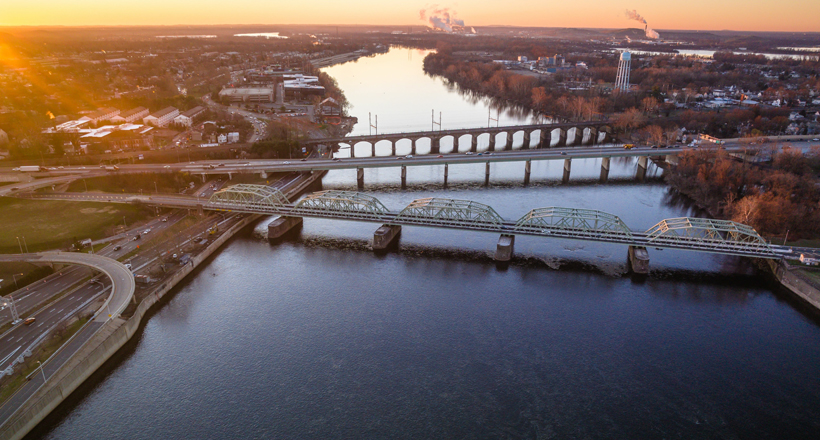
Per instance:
{"type": "Point", "coordinates": [757, 15]}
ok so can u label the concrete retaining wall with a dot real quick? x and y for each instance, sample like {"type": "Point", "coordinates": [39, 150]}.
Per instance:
{"type": "Point", "coordinates": [782, 271]}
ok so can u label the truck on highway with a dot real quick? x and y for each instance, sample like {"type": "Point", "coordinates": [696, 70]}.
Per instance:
{"type": "Point", "coordinates": [629, 146]}
{"type": "Point", "coordinates": [30, 168]}
{"type": "Point", "coordinates": [112, 168]}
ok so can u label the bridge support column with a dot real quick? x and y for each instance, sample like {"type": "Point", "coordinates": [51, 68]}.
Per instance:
{"type": "Point", "coordinates": [526, 144]}
{"type": "Point", "coordinates": [527, 170]}
{"type": "Point", "coordinates": [508, 141]}
{"type": "Point", "coordinates": [385, 236]}
{"type": "Point", "coordinates": [671, 159]}
{"type": "Point", "coordinates": [562, 138]}
{"type": "Point", "coordinates": [493, 141]}
{"type": "Point", "coordinates": [352, 152]}
{"type": "Point", "coordinates": [392, 148]}
{"type": "Point", "coordinates": [487, 174]}
{"type": "Point", "coordinates": [403, 176]}
{"type": "Point", "coordinates": [373, 149]}
{"type": "Point", "coordinates": [593, 136]}
{"type": "Point", "coordinates": [199, 211]}
{"type": "Point", "coordinates": [203, 177]}
{"type": "Point", "coordinates": [360, 177]}
{"type": "Point", "coordinates": [504, 248]}
{"type": "Point", "coordinates": [230, 176]}
{"type": "Point", "coordinates": [605, 169]}
{"type": "Point", "coordinates": [412, 146]}
{"type": "Point", "coordinates": [639, 259]}
{"type": "Point", "coordinates": [435, 145]}
{"type": "Point", "coordinates": [567, 168]}
{"type": "Point", "coordinates": [642, 165]}
{"type": "Point", "coordinates": [446, 172]}
{"type": "Point", "coordinates": [280, 226]}
{"type": "Point", "coordinates": [544, 139]}
{"type": "Point", "coordinates": [473, 144]}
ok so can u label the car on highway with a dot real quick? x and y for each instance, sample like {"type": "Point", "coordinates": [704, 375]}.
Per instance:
{"type": "Point", "coordinates": [336, 159]}
{"type": "Point", "coordinates": [409, 156]}
{"type": "Point", "coordinates": [469, 153]}
{"type": "Point", "coordinates": [117, 247]}
{"type": "Point", "coordinates": [146, 231]}
{"type": "Point", "coordinates": [563, 153]}
{"type": "Point", "coordinates": [30, 321]}
{"type": "Point", "coordinates": [128, 266]}
{"type": "Point", "coordinates": [136, 237]}
{"type": "Point", "coordinates": [286, 163]}
{"type": "Point", "coordinates": [167, 166]}
{"type": "Point", "coordinates": [399, 157]}
{"type": "Point", "coordinates": [480, 154]}
{"type": "Point", "coordinates": [302, 160]}
{"type": "Point", "coordinates": [15, 188]}
{"type": "Point", "coordinates": [440, 155]}
{"type": "Point", "coordinates": [165, 219]}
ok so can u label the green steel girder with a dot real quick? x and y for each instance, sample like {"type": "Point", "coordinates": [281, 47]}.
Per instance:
{"type": "Point", "coordinates": [438, 211]}
{"type": "Point", "coordinates": [247, 196]}
{"type": "Point", "coordinates": [719, 233]}
{"type": "Point", "coordinates": [573, 220]}
{"type": "Point", "coordinates": [341, 202]}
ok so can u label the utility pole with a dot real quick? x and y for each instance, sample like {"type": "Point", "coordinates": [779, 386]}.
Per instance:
{"type": "Point", "coordinates": [490, 118]}
{"type": "Point", "coordinates": [373, 127]}
{"type": "Point", "coordinates": [434, 123]}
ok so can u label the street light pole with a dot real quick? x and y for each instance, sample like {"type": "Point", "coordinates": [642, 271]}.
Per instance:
{"type": "Point", "coordinates": [42, 371]}
{"type": "Point", "coordinates": [14, 276]}
{"type": "Point", "coordinates": [18, 244]}
{"type": "Point", "coordinates": [25, 244]}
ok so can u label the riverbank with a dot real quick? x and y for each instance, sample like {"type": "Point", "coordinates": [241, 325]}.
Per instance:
{"type": "Point", "coordinates": [112, 336]}
{"type": "Point", "coordinates": [791, 278]}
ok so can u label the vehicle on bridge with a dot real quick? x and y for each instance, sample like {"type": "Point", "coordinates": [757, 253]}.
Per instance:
{"type": "Point", "coordinates": [629, 146]}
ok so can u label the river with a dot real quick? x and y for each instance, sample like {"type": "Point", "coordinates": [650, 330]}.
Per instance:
{"type": "Point", "coordinates": [318, 337]}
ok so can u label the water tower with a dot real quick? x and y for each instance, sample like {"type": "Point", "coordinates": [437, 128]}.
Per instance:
{"type": "Point", "coordinates": [622, 80]}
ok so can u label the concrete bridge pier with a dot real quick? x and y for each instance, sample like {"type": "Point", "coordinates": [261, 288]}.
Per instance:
{"type": "Point", "coordinates": [373, 149]}
{"type": "Point", "coordinates": [605, 169]}
{"type": "Point", "coordinates": [385, 236]}
{"type": "Point", "coordinates": [230, 176]}
{"type": "Point", "coordinates": [435, 145]}
{"type": "Point", "coordinates": [642, 165]}
{"type": "Point", "coordinates": [360, 177]}
{"type": "Point", "coordinates": [446, 172]}
{"type": "Point", "coordinates": [493, 141]}
{"type": "Point", "coordinates": [413, 146]}
{"type": "Point", "coordinates": [352, 149]}
{"type": "Point", "coordinates": [544, 139]}
{"type": "Point", "coordinates": [203, 177]}
{"type": "Point", "coordinates": [527, 170]}
{"type": "Point", "coordinates": [404, 176]}
{"type": "Point", "coordinates": [567, 168]}
{"type": "Point", "coordinates": [473, 144]}
{"type": "Point", "coordinates": [508, 142]}
{"type": "Point", "coordinates": [562, 138]}
{"type": "Point", "coordinates": [392, 148]}
{"type": "Point", "coordinates": [593, 136]}
{"type": "Point", "coordinates": [526, 144]}
{"type": "Point", "coordinates": [487, 174]}
{"type": "Point", "coordinates": [199, 210]}
{"type": "Point", "coordinates": [281, 226]}
{"type": "Point", "coordinates": [671, 159]}
{"type": "Point", "coordinates": [639, 259]}
{"type": "Point", "coordinates": [505, 247]}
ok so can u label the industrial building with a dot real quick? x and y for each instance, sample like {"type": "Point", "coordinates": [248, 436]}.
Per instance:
{"type": "Point", "coordinates": [103, 114]}
{"type": "Point", "coordinates": [300, 85]}
{"type": "Point", "coordinates": [248, 94]}
{"type": "Point", "coordinates": [162, 117]}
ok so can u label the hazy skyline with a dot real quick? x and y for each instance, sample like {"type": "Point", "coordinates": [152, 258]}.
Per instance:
{"type": "Point", "coordinates": [749, 15]}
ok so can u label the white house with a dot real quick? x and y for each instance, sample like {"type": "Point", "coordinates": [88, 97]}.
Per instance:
{"type": "Point", "coordinates": [222, 139]}
{"type": "Point", "coordinates": [233, 137]}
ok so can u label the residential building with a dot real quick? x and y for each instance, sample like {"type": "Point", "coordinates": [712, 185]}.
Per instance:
{"type": "Point", "coordinates": [233, 137]}
{"type": "Point", "coordinates": [187, 118]}
{"type": "Point", "coordinates": [162, 117]}
{"type": "Point", "coordinates": [103, 114]}
{"type": "Point", "coordinates": [329, 107]}
{"type": "Point", "coordinates": [134, 114]}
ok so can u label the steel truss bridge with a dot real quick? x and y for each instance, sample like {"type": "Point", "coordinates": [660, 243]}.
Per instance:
{"type": "Point", "coordinates": [694, 234]}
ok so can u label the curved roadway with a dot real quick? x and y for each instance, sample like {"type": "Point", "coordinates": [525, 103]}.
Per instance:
{"type": "Point", "coordinates": [123, 283]}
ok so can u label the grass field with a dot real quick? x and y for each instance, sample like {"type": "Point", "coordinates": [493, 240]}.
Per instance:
{"type": "Point", "coordinates": [53, 224]}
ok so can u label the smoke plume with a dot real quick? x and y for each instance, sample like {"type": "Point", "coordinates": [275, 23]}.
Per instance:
{"type": "Point", "coordinates": [650, 33]}
{"type": "Point", "coordinates": [442, 19]}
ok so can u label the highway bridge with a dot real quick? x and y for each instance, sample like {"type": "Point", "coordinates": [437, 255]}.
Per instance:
{"type": "Point", "coordinates": [694, 234]}
{"type": "Point", "coordinates": [230, 167]}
